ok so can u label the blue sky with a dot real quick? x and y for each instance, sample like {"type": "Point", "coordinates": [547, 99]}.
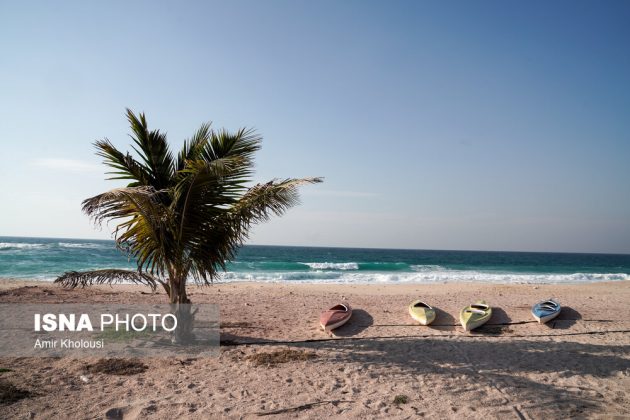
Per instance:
{"type": "Point", "coordinates": [440, 125]}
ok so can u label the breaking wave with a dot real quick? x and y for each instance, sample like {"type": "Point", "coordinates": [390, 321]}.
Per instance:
{"type": "Point", "coordinates": [333, 266]}
{"type": "Point", "coordinates": [84, 245]}
{"type": "Point", "coordinates": [18, 245]}
{"type": "Point", "coordinates": [423, 277]}
{"type": "Point", "coordinates": [361, 266]}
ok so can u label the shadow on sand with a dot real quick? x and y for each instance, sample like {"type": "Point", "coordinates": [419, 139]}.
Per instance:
{"type": "Point", "coordinates": [565, 320]}
{"type": "Point", "coordinates": [535, 376]}
{"type": "Point", "coordinates": [359, 321]}
{"type": "Point", "coordinates": [520, 369]}
{"type": "Point", "coordinates": [443, 321]}
{"type": "Point", "coordinates": [496, 325]}
{"type": "Point", "coordinates": [528, 374]}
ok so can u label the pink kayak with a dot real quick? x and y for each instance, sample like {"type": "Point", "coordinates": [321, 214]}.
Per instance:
{"type": "Point", "coordinates": [335, 317]}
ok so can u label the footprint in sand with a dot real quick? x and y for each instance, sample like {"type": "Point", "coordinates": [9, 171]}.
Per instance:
{"type": "Point", "coordinates": [130, 412]}
{"type": "Point", "coordinates": [118, 413]}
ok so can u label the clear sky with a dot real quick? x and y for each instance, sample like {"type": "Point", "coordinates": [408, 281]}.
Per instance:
{"type": "Point", "coordinates": [498, 125]}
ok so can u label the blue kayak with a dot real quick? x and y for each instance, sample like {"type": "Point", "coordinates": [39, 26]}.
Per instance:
{"type": "Point", "coordinates": [546, 310]}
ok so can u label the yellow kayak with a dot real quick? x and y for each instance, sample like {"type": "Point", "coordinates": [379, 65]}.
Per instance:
{"type": "Point", "coordinates": [421, 312]}
{"type": "Point", "coordinates": [475, 315]}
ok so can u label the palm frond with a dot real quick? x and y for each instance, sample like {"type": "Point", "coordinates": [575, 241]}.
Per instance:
{"type": "Point", "coordinates": [263, 200]}
{"type": "Point", "coordinates": [124, 165]}
{"type": "Point", "coordinates": [193, 147]}
{"type": "Point", "coordinates": [216, 241]}
{"type": "Point", "coordinates": [210, 251]}
{"type": "Point", "coordinates": [118, 203]}
{"type": "Point", "coordinates": [146, 231]}
{"type": "Point", "coordinates": [153, 149]}
{"type": "Point", "coordinates": [73, 279]}
{"type": "Point", "coordinates": [202, 193]}
{"type": "Point", "coordinates": [244, 143]}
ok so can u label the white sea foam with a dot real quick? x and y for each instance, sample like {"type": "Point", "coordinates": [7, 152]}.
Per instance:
{"type": "Point", "coordinates": [288, 276]}
{"type": "Point", "coordinates": [427, 268]}
{"type": "Point", "coordinates": [436, 277]}
{"type": "Point", "coordinates": [425, 277]}
{"type": "Point", "coordinates": [88, 245]}
{"type": "Point", "coordinates": [18, 245]}
{"type": "Point", "coordinates": [333, 266]}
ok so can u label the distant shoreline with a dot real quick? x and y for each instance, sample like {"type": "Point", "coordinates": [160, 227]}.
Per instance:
{"type": "Point", "coordinates": [395, 288]}
{"type": "Point", "coordinates": [38, 281]}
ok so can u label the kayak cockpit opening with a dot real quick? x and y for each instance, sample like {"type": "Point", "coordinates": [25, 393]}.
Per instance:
{"type": "Point", "coordinates": [475, 311]}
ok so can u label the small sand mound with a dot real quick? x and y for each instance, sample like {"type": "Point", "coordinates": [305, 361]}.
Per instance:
{"type": "Point", "coordinates": [280, 356]}
{"type": "Point", "coordinates": [9, 393]}
{"type": "Point", "coordinates": [117, 367]}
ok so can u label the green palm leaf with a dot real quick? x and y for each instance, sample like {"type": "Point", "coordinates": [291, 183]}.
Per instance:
{"type": "Point", "coordinates": [152, 148]}
{"type": "Point", "coordinates": [74, 279]}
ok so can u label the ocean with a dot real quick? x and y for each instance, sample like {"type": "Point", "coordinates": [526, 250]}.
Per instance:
{"type": "Point", "coordinates": [46, 258]}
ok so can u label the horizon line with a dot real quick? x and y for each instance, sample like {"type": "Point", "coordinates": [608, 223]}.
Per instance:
{"type": "Point", "coordinates": [355, 247]}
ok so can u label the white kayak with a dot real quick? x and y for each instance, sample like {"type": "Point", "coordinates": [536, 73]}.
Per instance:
{"type": "Point", "coordinates": [546, 310]}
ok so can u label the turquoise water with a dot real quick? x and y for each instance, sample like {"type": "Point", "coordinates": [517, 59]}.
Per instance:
{"type": "Point", "coordinates": [47, 258]}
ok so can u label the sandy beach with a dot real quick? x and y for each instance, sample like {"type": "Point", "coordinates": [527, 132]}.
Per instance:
{"type": "Point", "coordinates": [379, 365]}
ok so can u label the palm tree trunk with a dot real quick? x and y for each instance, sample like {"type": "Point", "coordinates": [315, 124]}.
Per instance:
{"type": "Point", "coordinates": [178, 292]}
{"type": "Point", "coordinates": [182, 309]}
{"type": "Point", "coordinates": [177, 285]}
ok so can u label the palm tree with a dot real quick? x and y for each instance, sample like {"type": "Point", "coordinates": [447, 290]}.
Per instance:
{"type": "Point", "coordinates": [182, 217]}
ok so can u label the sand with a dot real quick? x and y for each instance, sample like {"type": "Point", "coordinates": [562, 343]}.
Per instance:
{"type": "Point", "coordinates": [380, 365]}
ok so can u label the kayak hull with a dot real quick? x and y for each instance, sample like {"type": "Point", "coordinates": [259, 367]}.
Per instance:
{"type": "Point", "coordinates": [546, 310]}
{"type": "Point", "coordinates": [335, 317]}
{"type": "Point", "coordinates": [421, 312]}
{"type": "Point", "coordinates": [475, 315]}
